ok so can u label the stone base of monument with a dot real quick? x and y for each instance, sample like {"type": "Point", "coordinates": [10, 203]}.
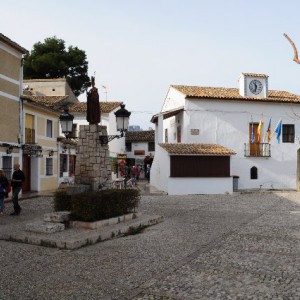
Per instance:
{"type": "Point", "coordinates": [45, 227]}
{"type": "Point", "coordinates": [78, 188]}
{"type": "Point", "coordinates": [106, 222]}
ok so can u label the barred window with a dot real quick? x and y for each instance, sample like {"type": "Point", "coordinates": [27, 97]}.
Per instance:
{"type": "Point", "coordinates": [49, 166]}
{"type": "Point", "coordinates": [288, 133]}
{"type": "Point", "coordinates": [49, 129]}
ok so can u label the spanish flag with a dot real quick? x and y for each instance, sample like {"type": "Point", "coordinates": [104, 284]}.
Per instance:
{"type": "Point", "coordinates": [259, 129]}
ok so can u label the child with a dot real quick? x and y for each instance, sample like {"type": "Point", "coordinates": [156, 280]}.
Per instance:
{"type": "Point", "coordinates": [3, 190]}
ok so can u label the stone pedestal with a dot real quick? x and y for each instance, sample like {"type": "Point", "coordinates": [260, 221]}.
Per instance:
{"type": "Point", "coordinates": [93, 166]}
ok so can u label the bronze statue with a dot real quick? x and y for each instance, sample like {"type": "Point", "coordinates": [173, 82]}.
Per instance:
{"type": "Point", "coordinates": [93, 105]}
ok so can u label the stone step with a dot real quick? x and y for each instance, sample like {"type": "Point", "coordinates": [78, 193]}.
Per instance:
{"type": "Point", "coordinates": [45, 227]}
{"type": "Point", "coordinates": [57, 217]}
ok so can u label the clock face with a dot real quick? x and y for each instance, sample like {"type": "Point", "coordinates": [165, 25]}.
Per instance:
{"type": "Point", "coordinates": [255, 87]}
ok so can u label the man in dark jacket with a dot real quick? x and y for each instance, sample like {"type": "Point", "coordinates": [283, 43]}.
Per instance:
{"type": "Point", "coordinates": [16, 183]}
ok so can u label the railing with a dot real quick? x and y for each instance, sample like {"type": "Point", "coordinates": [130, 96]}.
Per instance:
{"type": "Point", "coordinates": [257, 150]}
{"type": "Point", "coordinates": [29, 136]}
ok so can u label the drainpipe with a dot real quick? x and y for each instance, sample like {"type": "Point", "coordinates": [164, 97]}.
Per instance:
{"type": "Point", "coordinates": [21, 138]}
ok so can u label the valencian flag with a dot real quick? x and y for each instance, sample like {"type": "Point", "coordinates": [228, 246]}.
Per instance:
{"type": "Point", "coordinates": [259, 128]}
{"type": "Point", "coordinates": [278, 131]}
{"type": "Point", "coordinates": [269, 131]}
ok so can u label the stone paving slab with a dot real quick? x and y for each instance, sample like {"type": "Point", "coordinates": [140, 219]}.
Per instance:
{"type": "Point", "coordinates": [240, 246]}
{"type": "Point", "coordinates": [43, 234]}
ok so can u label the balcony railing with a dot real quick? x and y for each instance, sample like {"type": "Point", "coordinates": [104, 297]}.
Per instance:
{"type": "Point", "coordinates": [29, 136]}
{"type": "Point", "coordinates": [257, 150]}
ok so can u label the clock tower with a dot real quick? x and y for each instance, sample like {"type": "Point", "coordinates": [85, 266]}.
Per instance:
{"type": "Point", "coordinates": [253, 85]}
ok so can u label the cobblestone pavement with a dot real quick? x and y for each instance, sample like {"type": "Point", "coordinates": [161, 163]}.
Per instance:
{"type": "Point", "coordinates": [241, 246]}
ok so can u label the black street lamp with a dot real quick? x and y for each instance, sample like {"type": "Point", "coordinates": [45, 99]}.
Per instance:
{"type": "Point", "coordinates": [122, 119]}
{"type": "Point", "coordinates": [66, 121]}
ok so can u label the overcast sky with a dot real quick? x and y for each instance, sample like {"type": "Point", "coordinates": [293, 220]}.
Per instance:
{"type": "Point", "coordinates": [138, 48]}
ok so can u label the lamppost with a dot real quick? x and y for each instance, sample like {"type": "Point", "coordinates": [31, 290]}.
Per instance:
{"type": "Point", "coordinates": [66, 121]}
{"type": "Point", "coordinates": [122, 119]}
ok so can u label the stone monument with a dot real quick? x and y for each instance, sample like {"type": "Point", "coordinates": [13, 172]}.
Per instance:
{"type": "Point", "coordinates": [93, 166]}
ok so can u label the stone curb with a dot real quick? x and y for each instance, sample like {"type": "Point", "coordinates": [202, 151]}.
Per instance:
{"type": "Point", "coordinates": [85, 237]}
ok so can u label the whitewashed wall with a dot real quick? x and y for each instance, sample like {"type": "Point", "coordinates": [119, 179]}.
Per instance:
{"type": "Point", "coordinates": [184, 186]}
{"type": "Point", "coordinates": [227, 123]}
{"type": "Point", "coordinates": [160, 170]}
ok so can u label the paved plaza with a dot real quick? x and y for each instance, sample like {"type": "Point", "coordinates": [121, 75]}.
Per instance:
{"type": "Point", "coordinates": [240, 246]}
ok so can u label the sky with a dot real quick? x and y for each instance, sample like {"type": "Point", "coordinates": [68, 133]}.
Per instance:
{"type": "Point", "coordinates": [138, 48]}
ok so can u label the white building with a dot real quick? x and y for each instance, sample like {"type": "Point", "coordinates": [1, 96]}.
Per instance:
{"type": "Point", "coordinates": [211, 118]}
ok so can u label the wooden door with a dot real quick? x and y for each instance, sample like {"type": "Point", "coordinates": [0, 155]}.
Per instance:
{"type": "Point", "coordinates": [27, 172]}
{"type": "Point", "coordinates": [254, 144]}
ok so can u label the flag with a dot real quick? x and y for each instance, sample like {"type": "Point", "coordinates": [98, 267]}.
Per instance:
{"type": "Point", "coordinates": [252, 138]}
{"type": "Point", "coordinates": [259, 128]}
{"type": "Point", "coordinates": [269, 131]}
{"type": "Point", "coordinates": [278, 131]}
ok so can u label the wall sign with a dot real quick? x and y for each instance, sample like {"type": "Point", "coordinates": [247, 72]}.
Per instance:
{"type": "Point", "coordinates": [194, 131]}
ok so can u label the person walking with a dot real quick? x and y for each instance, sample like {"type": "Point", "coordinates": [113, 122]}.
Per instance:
{"type": "Point", "coordinates": [3, 190]}
{"type": "Point", "coordinates": [18, 178]}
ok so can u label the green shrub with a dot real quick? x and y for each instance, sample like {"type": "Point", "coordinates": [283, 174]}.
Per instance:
{"type": "Point", "coordinates": [62, 201]}
{"type": "Point", "coordinates": [99, 205]}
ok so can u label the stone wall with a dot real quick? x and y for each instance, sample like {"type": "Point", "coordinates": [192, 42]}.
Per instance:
{"type": "Point", "coordinates": [93, 166]}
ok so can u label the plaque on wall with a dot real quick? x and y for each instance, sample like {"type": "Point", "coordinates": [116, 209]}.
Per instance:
{"type": "Point", "coordinates": [194, 131]}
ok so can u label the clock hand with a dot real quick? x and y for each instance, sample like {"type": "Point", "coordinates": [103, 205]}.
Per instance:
{"type": "Point", "coordinates": [296, 59]}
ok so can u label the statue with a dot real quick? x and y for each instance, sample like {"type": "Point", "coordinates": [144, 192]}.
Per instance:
{"type": "Point", "coordinates": [93, 105]}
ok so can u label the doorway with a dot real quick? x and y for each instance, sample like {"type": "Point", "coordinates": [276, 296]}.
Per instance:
{"type": "Point", "coordinates": [27, 172]}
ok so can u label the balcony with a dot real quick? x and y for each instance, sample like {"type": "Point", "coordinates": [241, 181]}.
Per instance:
{"type": "Point", "coordinates": [29, 136]}
{"type": "Point", "coordinates": [257, 150]}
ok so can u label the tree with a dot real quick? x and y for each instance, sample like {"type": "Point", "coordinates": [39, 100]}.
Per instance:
{"type": "Point", "coordinates": [51, 60]}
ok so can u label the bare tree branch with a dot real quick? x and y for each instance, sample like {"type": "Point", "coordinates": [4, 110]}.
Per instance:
{"type": "Point", "coordinates": [296, 59]}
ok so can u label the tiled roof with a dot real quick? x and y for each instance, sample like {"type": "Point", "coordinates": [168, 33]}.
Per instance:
{"type": "Point", "coordinates": [255, 75]}
{"type": "Point", "coordinates": [196, 149]}
{"type": "Point", "coordinates": [233, 94]}
{"type": "Point", "coordinates": [44, 80]}
{"type": "Point", "coordinates": [140, 136]}
{"type": "Point", "coordinates": [13, 44]}
{"type": "Point", "coordinates": [105, 107]}
{"type": "Point", "coordinates": [46, 101]}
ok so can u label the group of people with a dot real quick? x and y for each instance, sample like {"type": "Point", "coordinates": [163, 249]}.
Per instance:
{"type": "Point", "coordinates": [16, 181]}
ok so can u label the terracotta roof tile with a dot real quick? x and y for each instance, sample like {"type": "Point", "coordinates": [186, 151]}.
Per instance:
{"type": "Point", "coordinates": [233, 94]}
{"type": "Point", "coordinates": [13, 44]}
{"type": "Point", "coordinates": [46, 101]}
{"type": "Point", "coordinates": [105, 107]}
{"type": "Point", "coordinates": [140, 136]}
{"type": "Point", "coordinates": [196, 149]}
{"type": "Point", "coordinates": [255, 75]}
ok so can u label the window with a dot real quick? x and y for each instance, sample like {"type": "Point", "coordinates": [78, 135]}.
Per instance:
{"type": "Point", "coordinates": [74, 131]}
{"type": "Point", "coordinates": [29, 129]}
{"type": "Point", "coordinates": [7, 166]}
{"type": "Point", "coordinates": [288, 133]}
{"type": "Point", "coordinates": [63, 164]}
{"type": "Point", "coordinates": [49, 166]}
{"type": "Point", "coordinates": [128, 146]}
{"type": "Point", "coordinates": [253, 173]}
{"type": "Point", "coordinates": [151, 146]}
{"type": "Point", "coordinates": [166, 135]}
{"type": "Point", "coordinates": [49, 129]}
